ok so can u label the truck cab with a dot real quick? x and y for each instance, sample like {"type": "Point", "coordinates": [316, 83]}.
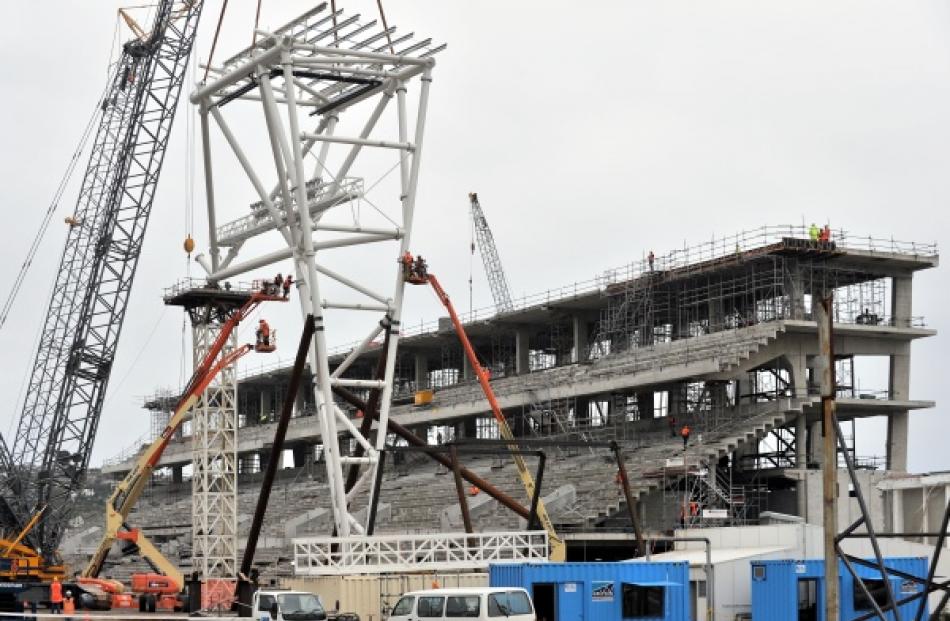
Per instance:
{"type": "Point", "coordinates": [286, 605]}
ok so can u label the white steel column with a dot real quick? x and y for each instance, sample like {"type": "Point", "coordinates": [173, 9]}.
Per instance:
{"type": "Point", "coordinates": [296, 78]}
{"type": "Point", "coordinates": [214, 480]}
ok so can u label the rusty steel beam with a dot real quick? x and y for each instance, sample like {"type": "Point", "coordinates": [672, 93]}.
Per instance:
{"type": "Point", "coordinates": [460, 490]}
{"type": "Point", "coordinates": [414, 440]}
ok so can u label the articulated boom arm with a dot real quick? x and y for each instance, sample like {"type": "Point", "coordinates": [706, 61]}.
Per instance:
{"type": "Point", "coordinates": [558, 552]}
{"type": "Point", "coordinates": [127, 493]}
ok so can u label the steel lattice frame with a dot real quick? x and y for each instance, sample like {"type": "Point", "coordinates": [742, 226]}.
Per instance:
{"type": "Point", "coordinates": [313, 65]}
{"type": "Point", "coordinates": [214, 463]}
{"type": "Point", "coordinates": [87, 307]}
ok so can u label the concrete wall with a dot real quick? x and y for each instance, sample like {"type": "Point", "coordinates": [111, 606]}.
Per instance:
{"type": "Point", "coordinates": [848, 509]}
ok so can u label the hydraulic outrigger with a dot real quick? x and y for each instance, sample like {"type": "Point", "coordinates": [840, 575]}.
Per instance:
{"type": "Point", "coordinates": [416, 272]}
{"type": "Point", "coordinates": [123, 499]}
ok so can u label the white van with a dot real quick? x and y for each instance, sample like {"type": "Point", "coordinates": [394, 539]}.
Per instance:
{"type": "Point", "coordinates": [473, 603]}
{"type": "Point", "coordinates": [281, 605]}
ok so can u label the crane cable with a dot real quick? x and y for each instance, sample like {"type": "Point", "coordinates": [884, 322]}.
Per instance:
{"type": "Point", "coordinates": [382, 16]}
{"type": "Point", "coordinates": [214, 42]}
{"type": "Point", "coordinates": [51, 210]}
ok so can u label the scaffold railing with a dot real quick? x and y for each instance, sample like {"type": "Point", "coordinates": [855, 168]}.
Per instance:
{"type": "Point", "coordinates": [129, 451]}
{"type": "Point", "coordinates": [698, 254]}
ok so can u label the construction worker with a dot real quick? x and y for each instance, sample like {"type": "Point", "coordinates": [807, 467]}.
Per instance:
{"type": "Point", "coordinates": [278, 283]}
{"type": "Point", "coordinates": [813, 232]}
{"type": "Point", "coordinates": [650, 259]}
{"type": "Point", "coordinates": [287, 283]}
{"type": "Point", "coordinates": [406, 265]}
{"type": "Point", "coordinates": [69, 606]}
{"type": "Point", "coordinates": [55, 597]}
{"type": "Point", "coordinates": [420, 267]}
{"type": "Point", "coordinates": [825, 235]}
{"type": "Point", "coordinates": [263, 333]}
{"type": "Point", "coordinates": [684, 433]}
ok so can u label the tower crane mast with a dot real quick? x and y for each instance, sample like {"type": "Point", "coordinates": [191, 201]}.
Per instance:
{"type": "Point", "coordinates": [47, 461]}
{"type": "Point", "coordinates": [497, 281]}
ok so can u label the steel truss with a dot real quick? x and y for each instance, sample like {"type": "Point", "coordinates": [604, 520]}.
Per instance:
{"type": "Point", "coordinates": [214, 460]}
{"type": "Point", "coordinates": [320, 556]}
{"type": "Point", "coordinates": [78, 341]}
{"type": "Point", "coordinates": [338, 70]}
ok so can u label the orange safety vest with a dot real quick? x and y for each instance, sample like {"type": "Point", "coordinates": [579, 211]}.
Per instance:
{"type": "Point", "coordinates": [684, 432]}
{"type": "Point", "coordinates": [56, 592]}
{"type": "Point", "coordinates": [265, 330]}
{"type": "Point", "coordinates": [69, 606]}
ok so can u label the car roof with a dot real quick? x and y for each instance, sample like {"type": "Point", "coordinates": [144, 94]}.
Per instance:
{"type": "Point", "coordinates": [463, 591]}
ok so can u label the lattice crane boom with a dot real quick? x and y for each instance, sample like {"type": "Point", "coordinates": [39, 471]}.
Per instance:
{"type": "Point", "coordinates": [50, 454]}
{"type": "Point", "coordinates": [500, 292]}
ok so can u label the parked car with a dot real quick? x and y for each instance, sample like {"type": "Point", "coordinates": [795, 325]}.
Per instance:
{"type": "Point", "coordinates": [464, 603]}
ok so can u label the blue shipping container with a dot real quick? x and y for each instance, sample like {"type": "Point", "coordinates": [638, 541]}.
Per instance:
{"type": "Point", "coordinates": [601, 591]}
{"type": "Point", "coordinates": [795, 590]}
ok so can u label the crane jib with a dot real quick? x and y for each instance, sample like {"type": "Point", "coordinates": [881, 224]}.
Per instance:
{"type": "Point", "coordinates": [78, 342]}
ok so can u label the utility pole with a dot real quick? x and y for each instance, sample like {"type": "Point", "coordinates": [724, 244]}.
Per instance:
{"type": "Point", "coordinates": [826, 359]}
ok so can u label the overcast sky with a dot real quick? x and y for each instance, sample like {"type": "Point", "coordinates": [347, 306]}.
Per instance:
{"type": "Point", "coordinates": [593, 133]}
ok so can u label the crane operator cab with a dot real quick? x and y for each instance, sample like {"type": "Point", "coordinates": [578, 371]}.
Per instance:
{"type": "Point", "coordinates": [266, 338]}
{"type": "Point", "coordinates": [414, 271]}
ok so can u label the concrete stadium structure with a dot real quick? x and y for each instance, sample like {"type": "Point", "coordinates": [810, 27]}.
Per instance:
{"type": "Point", "coordinates": [719, 337]}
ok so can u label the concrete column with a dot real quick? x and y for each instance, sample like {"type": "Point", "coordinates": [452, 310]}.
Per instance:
{"type": "Point", "coordinates": [795, 291]}
{"type": "Point", "coordinates": [801, 441]}
{"type": "Point", "coordinates": [902, 288]}
{"type": "Point", "coordinates": [300, 454]}
{"type": "Point", "coordinates": [898, 422]}
{"type": "Point", "coordinates": [814, 437]}
{"type": "Point", "coordinates": [466, 428]}
{"type": "Point", "coordinates": [677, 401]}
{"type": "Point", "coordinates": [798, 370]}
{"type": "Point", "coordinates": [177, 475]}
{"type": "Point", "coordinates": [581, 334]}
{"type": "Point", "coordinates": [717, 314]}
{"type": "Point", "coordinates": [468, 373]}
{"type": "Point", "coordinates": [522, 359]}
{"type": "Point", "coordinates": [421, 367]}
{"type": "Point", "coordinates": [801, 458]}
{"type": "Point", "coordinates": [581, 410]}
{"type": "Point", "coordinates": [897, 507]}
{"type": "Point", "coordinates": [645, 405]}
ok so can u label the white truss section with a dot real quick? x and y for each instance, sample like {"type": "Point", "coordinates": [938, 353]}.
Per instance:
{"type": "Point", "coordinates": [323, 556]}
{"type": "Point", "coordinates": [260, 221]}
{"type": "Point", "coordinates": [214, 459]}
{"type": "Point", "coordinates": [323, 85]}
